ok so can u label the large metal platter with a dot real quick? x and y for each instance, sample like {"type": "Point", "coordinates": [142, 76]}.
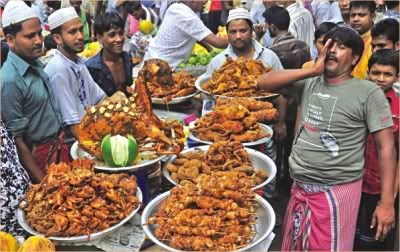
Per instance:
{"type": "Point", "coordinates": [77, 152]}
{"type": "Point", "coordinates": [82, 238]}
{"type": "Point", "coordinates": [204, 78]}
{"type": "Point", "coordinates": [258, 161]}
{"type": "Point", "coordinates": [264, 225]}
{"type": "Point", "coordinates": [176, 100]}
{"type": "Point", "coordinates": [267, 128]}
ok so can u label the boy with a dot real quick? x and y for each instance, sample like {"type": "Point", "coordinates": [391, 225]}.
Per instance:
{"type": "Point", "coordinates": [383, 70]}
{"type": "Point", "coordinates": [385, 35]}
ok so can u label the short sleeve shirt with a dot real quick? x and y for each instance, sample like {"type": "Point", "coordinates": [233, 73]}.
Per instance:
{"type": "Point", "coordinates": [179, 31]}
{"type": "Point", "coordinates": [73, 86]}
{"type": "Point", "coordinates": [335, 121]}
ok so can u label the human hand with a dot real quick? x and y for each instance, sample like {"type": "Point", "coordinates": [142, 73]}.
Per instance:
{"type": "Point", "coordinates": [319, 65]}
{"type": "Point", "coordinates": [260, 30]}
{"type": "Point", "coordinates": [383, 217]}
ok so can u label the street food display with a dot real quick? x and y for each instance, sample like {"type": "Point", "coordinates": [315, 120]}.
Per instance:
{"type": "Point", "coordinates": [237, 78]}
{"type": "Point", "coordinates": [216, 213]}
{"type": "Point", "coordinates": [235, 119]}
{"type": "Point", "coordinates": [72, 200]}
{"type": "Point", "coordinates": [163, 83]}
{"type": "Point", "coordinates": [133, 115]}
{"type": "Point", "coordinates": [221, 156]}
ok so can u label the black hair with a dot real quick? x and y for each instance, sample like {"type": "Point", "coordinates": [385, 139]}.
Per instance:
{"type": "Point", "coordinates": [323, 29]}
{"type": "Point", "coordinates": [349, 38]}
{"type": "Point", "coordinates": [278, 16]}
{"type": "Point", "coordinates": [106, 22]}
{"type": "Point", "coordinates": [391, 4]}
{"type": "Point", "coordinates": [57, 30]}
{"type": "Point", "coordinates": [385, 57]}
{"type": "Point", "coordinates": [131, 6]}
{"type": "Point", "coordinates": [370, 5]}
{"type": "Point", "coordinates": [49, 42]}
{"type": "Point", "coordinates": [13, 29]}
{"type": "Point", "coordinates": [388, 27]}
{"type": "Point", "coordinates": [249, 22]}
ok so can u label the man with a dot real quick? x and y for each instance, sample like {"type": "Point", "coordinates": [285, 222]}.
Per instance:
{"type": "Point", "coordinates": [85, 18]}
{"type": "Point", "coordinates": [326, 11]}
{"type": "Point", "coordinates": [337, 112]}
{"type": "Point", "coordinates": [344, 6]}
{"type": "Point", "coordinates": [111, 68]}
{"type": "Point", "coordinates": [179, 31]}
{"type": "Point", "coordinates": [362, 15]}
{"type": "Point", "coordinates": [141, 12]}
{"type": "Point", "coordinates": [385, 35]}
{"type": "Point", "coordinates": [27, 100]}
{"type": "Point", "coordinates": [292, 53]}
{"type": "Point", "coordinates": [256, 12]}
{"type": "Point", "coordinates": [74, 87]}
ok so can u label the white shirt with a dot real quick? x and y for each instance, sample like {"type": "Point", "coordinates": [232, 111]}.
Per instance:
{"type": "Point", "coordinates": [74, 87]}
{"type": "Point", "coordinates": [326, 11]}
{"type": "Point", "coordinates": [177, 34]}
{"type": "Point", "coordinates": [151, 16]}
{"type": "Point", "coordinates": [256, 13]}
{"type": "Point", "coordinates": [301, 23]}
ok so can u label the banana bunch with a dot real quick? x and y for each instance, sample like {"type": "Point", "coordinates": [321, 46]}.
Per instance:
{"type": "Point", "coordinates": [91, 49]}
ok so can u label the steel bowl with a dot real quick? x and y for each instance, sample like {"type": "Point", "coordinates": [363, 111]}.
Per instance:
{"type": "Point", "coordinates": [258, 160]}
{"type": "Point", "coordinates": [82, 238]}
{"type": "Point", "coordinates": [265, 221]}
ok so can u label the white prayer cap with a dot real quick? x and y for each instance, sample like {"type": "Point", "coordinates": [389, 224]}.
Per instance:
{"type": "Point", "coordinates": [61, 16]}
{"type": "Point", "coordinates": [238, 13]}
{"type": "Point", "coordinates": [16, 11]}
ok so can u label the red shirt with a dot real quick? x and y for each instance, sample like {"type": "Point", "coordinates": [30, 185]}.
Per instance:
{"type": "Point", "coordinates": [216, 5]}
{"type": "Point", "coordinates": [371, 180]}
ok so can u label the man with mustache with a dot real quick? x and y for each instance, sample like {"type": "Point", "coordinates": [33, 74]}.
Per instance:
{"type": "Point", "coordinates": [27, 100]}
{"type": "Point", "coordinates": [362, 15]}
{"type": "Point", "coordinates": [327, 159]}
{"type": "Point", "coordinates": [111, 68]}
{"type": "Point", "coordinates": [73, 85]}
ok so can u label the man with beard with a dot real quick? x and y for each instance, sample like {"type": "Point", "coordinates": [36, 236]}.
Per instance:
{"type": "Point", "coordinates": [73, 85]}
{"type": "Point", "coordinates": [327, 159]}
{"type": "Point", "coordinates": [27, 100]}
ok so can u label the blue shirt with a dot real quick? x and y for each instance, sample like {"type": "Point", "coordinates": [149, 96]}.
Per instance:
{"type": "Point", "coordinates": [102, 75]}
{"type": "Point", "coordinates": [27, 101]}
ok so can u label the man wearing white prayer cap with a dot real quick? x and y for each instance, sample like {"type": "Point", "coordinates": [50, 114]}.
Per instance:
{"type": "Point", "coordinates": [73, 85]}
{"type": "Point", "coordinates": [27, 100]}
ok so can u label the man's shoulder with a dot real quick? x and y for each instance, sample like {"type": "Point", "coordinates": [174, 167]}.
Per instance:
{"type": "Point", "coordinates": [56, 65]}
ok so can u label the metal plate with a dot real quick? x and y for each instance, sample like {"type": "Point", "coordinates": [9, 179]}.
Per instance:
{"type": "Point", "coordinates": [265, 222]}
{"type": "Point", "coordinates": [204, 78]}
{"type": "Point", "coordinates": [258, 161]}
{"type": "Point", "coordinates": [176, 100]}
{"type": "Point", "coordinates": [77, 152]}
{"type": "Point", "coordinates": [82, 238]}
{"type": "Point", "coordinates": [166, 115]}
{"type": "Point", "coordinates": [267, 128]}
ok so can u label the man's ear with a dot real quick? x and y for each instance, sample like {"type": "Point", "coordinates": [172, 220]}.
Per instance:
{"type": "Point", "coordinates": [57, 38]}
{"type": "Point", "coordinates": [355, 59]}
{"type": "Point", "coordinates": [10, 39]}
{"type": "Point", "coordinates": [397, 46]}
{"type": "Point", "coordinates": [99, 38]}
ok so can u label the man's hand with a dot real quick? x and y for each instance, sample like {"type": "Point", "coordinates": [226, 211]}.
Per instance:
{"type": "Point", "coordinates": [320, 63]}
{"type": "Point", "coordinates": [280, 131]}
{"type": "Point", "coordinates": [260, 30]}
{"type": "Point", "coordinates": [384, 218]}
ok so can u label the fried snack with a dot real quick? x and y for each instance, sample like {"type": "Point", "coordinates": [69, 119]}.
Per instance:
{"type": "Point", "coordinates": [162, 83]}
{"type": "Point", "coordinates": [133, 115]}
{"type": "Point", "coordinates": [221, 156]}
{"type": "Point", "coordinates": [235, 119]}
{"type": "Point", "coordinates": [72, 200]}
{"type": "Point", "coordinates": [208, 214]}
{"type": "Point", "coordinates": [237, 78]}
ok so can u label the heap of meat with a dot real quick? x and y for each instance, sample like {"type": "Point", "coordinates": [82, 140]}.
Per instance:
{"type": "Point", "coordinates": [162, 83]}
{"type": "Point", "coordinates": [237, 78]}
{"type": "Point", "coordinates": [130, 115]}
{"type": "Point", "coordinates": [72, 200]}
{"type": "Point", "coordinates": [235, 119]}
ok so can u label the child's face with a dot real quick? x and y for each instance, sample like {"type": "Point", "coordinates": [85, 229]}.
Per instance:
{"type": "Point", "coordinates": [319, 43]}
{"type": "Point", "coordinates": [383, 76]}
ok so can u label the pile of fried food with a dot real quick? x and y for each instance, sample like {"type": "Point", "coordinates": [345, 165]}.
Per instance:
{"type": "Point", "coordinates": [133, 115]}
{"type": "Point", "coordinates": [221, 156]}
{"type": "Point", "coordinates": [237, 78]}
{"type": "Point", "coordinates": [235, 119]}
{"type": "Point", "coordinates": [72, 200]}
{"type": "Point", "coordinates": [216, 213]}
{"type": "Point", "coordinates": [162, 83]}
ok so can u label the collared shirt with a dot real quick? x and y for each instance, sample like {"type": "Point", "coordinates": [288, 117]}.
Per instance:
{"type": "Point", "coordinates": [256, 13]}
{"type": "Point", "coordinates": [360, 70]}
{"type": "Point", "coordinates": [371, 179]}
{"type": "Point", "coordinates": [301, 23]}
{"type": "Point", "coordinates": [267, 56]}
{"type": "Point", "coordinates": [74, 87]}
{"type": "Point", "coordinates": [28, 104]}
{"type": "Point", "coordinates": [102, 75]}
{"type": "Point", "coordinates": [326, 11]}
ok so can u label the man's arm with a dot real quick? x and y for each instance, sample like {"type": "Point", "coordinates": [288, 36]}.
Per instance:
{"type": "Point", "coordinates": [280, 126]}
{"type": "Point", "coordinates": [74, 130]}
{"type": "Point", "coordinates": [383, 216]}
{"type": "Point", "coordinates": [216, 41]}
{"type": "Point", "coordinates": [28, 161]}
{"type": "Point", "coordinates": [279, 78]}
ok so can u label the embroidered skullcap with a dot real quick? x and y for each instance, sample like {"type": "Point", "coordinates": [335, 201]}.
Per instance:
{"type": "Point", "coordinates": [16, 11]}
{"type": "Point", "coordinates": [61, 16]}
{"type": "Point", "coordinates": [238, 13]}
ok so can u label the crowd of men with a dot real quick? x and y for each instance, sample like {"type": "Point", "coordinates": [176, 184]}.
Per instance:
{"type": "Point", "coordinates": [335, 65]}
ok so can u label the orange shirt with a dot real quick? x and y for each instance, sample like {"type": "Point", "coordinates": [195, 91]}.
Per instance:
{"type": "Point", "coordinates": [360, 71]}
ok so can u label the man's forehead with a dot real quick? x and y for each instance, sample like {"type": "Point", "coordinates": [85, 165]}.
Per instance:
{"type": "Point", "coordinates": [360, 9]}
